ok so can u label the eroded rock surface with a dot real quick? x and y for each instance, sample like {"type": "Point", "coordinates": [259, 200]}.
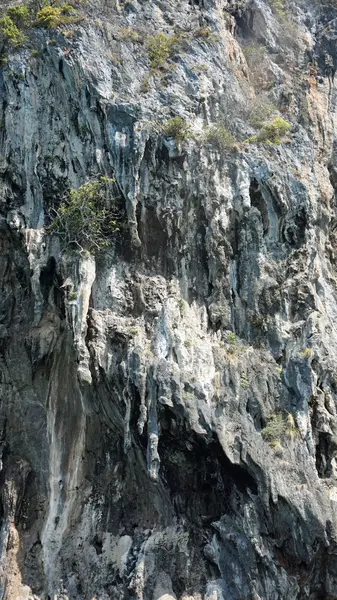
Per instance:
{"type": "Point", "coordinates": [135, 386]}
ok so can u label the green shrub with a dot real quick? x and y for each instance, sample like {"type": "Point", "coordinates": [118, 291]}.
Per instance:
{"type": "Point", "coordinates": [231, 338]}
{"type": "Point", "coordinates": [128, 35]}
{"type": "Point", "coordinates": [20, 15]}
{"type": "Point", "coordinates": [274, 131]}
{"type": "Point", "coordinates": [279, 8]}
{"type": "Point", "coordinates": [161, 48]}
{"type": "Point", "coordinates": [219, 136]}
{"type": "Point", "coordinates": [205, 33]}
{"type": "Point", "coordinates": [176, 128]}
{"type": "Point", "coordinates": [244, 381]}
{"type": "Point", "coordinates": [306, 353]}
{"type": "Point", "coordinates": [87, 217]}
{"type": "Point", "coordinates": [260, 111]}
{"type": "Point", "coordinates": [11, 32]}
{"type": "Point", "coordinates": [279, 426]}
{"type": "Point", "coordinates": [256, 57]}
{"type": "Point", "coordinates": [255, 54]}
{"type": "Point", "coordinates": [275, 428]}
{"type": "Point", "coordinates": [51, 17]}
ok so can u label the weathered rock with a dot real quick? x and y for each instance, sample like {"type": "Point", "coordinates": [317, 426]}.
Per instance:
{"type": "Point", "coordinates": [137, 386]}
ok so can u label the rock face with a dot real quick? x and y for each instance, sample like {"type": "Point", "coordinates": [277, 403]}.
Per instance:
{"type": "Point", "coordinates": [168, 407]}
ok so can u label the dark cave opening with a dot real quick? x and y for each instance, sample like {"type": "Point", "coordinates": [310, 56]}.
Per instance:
{"type": "Point", "coordinates": [326, 448]}
{"type": "Point", "coordinates": [50, 280]}
{"type": "Point", "coordinates": [200, 477]}
{"type": "Point", "coordinates": [258, 201]}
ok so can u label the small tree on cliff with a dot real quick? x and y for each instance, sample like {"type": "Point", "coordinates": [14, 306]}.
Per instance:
{"type": "Point", "coordinates": [87, 217]}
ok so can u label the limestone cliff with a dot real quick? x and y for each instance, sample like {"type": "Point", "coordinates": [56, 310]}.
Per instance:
{"type": "Point", "coordinates": [168, 406]}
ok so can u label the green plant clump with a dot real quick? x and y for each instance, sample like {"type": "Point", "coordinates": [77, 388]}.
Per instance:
{"type": "Point", "coordinates": [20, 15]}
{"type": "Point", "coordinates": [51, 17]}
{"type": "Point", "coordinates": [220, 137]}
{"type": "Point", "coordinates": [160, 48]}
{"type": "Point", "coordinates": [231, 338]}
{"type": "Point", "coordinates": [278, 427]}
{"type": "Point", "coordinates": [279, 8]}
{"type": "Point", "coordinates": [306, 353]}
{"type": "Point", "coordinates": [10, 31]}
{"type": "Point", "coordinates": [255, 54]}
{"type": "Point", "coordinates": [129, 35]}
{"type": "Point", "coordinates": [275, 428]}
{"type": "Point", "coordinates": [176, 128]}
{"type": "Point", "coordinates": [271, 133]}
{"type": "Point", "coordinates": [261, 110]}
{"type": "Point", "coordinates": [87, 217]}
{"type": "Point", "coordinates": [274, 131]}
{"type": "Point", "coordinates": [206, 34]}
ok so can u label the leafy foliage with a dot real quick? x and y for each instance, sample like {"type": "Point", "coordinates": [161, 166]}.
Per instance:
{"type": "Point", "coordinates": [128, 35]}
{"type": "Point", "coordinates": [279, 7]}
{"type": "Point", "coordinates": [279, 426]}
{"type": "Point", "coordinates": [88, 217]}
{"type": "Point", "coordinates": [10, 32]}
{"type": "Point", "coordinates": [176, 128]}
{"type": "Point", "coordinates": [260, 111]}
{"type": "Point", "coordinates": [160, 48]}
{"type": "Point", "coordinates": [20, 15]}
{"type": "Point", "coordinates": [275, 428]}
{"type": "Point", "coordinates": [206, 34]}
{"type": "Point", "coordinates": [271, 133]}
{"type": "Point", "coordinates": [274, 131]}
{"type": "Point", "coordinates": [50, 17]}
{"type": "Point", "coordinates": [220, 137]}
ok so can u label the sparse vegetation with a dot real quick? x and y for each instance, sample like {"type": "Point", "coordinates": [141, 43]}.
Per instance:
{"type": "Point", "coordinates": [244, 381]}
{"type": "Point", "coordinates": [161, 47]}
{"type": "Point", "coordinates": [279, 426]}
{"type": "Point", "coordinates": [176, 128]}
{"type": "Point", "coordinates": [205, 33]}
{"type": "Point", "coordinates": [182, 307]}
{"type": "Point", "coordinates": [145, 84]}
{"type": "Point", "coordinates": [10, 31]}
{"type": "Point", "coordinates": [200, 69]}
{"type": "Point", "coordinates": [21, 17]}
{"type": "Point", "coordinates": [51, 17]}
{"type": "Point", "coordinates": [257, 61]}
{"type": "Point", "coordinates": [255, 54]}
{"type": "Point", "coordinates": [87, 217]}
{"type": "Point", "coordinates": [231, 338]}
{"type": "Point", "coordinates": [128, 35]}
{"type": "Point", "coordinates": [260, 111]}
{"type": "Point", "coordinates": [271, 133]}
{"type": "Point", "coordinates": [279, 8]}
{"type": "Point", "coordinates": [134, 331]}
{"type": "Point", "coordinates": [306, 353]}
{"type": "Point", "coordinates": [220, 137]}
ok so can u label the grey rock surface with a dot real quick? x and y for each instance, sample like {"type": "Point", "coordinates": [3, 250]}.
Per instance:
{"type": "Point", "coordinates": [137, 386]}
